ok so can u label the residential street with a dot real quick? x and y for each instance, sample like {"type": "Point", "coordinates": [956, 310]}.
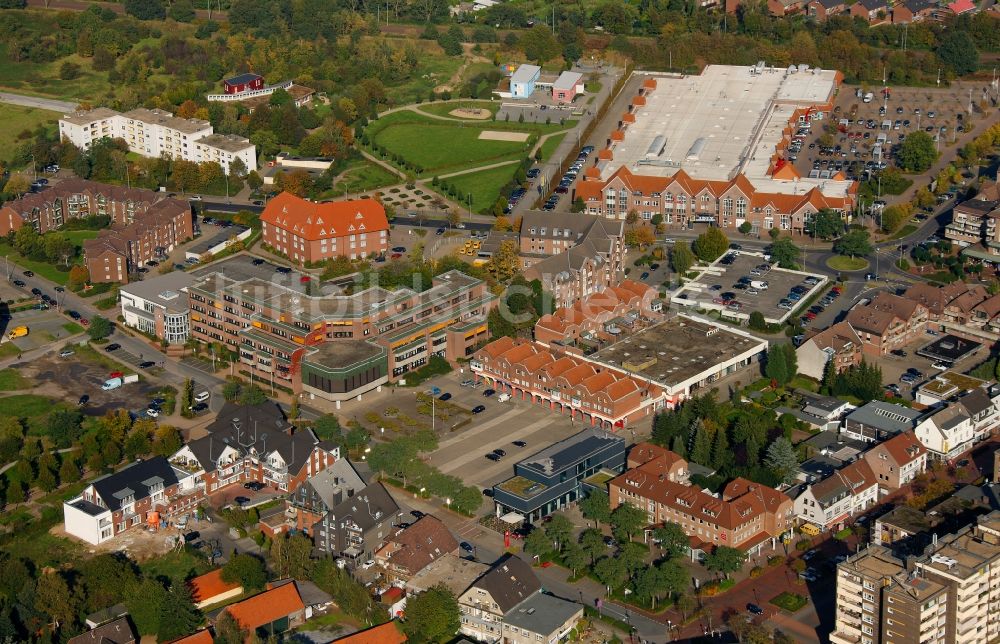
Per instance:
{"type": "Point", "coordinates": [63, 107]}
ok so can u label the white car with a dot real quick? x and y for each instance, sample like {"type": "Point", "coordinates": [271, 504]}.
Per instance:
{"type": "Point", "coordinates": [152, 413]}
{"type": "Point", "coordinates": [65, 353]}
{"type": "Point", "coordinates": [941, 366]}
{"type": "Point", "coordinates": [202, 396]}
{"type": "Point", "coordinates": [669, 240]}
{"type": "Point", "coordinates": [368, 564]}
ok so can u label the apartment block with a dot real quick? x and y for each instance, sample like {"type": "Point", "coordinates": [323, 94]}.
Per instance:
{"type": "Point", "coordinates": [602, 317]}
{"type": "Point", "coordinates": [305, 231]}
{"type": "Point", "coordinates": [338, 346]}
{"type": "Point", "coordinates": [746, 515]}
{"type": "Point", "coordinates": [973, 222]}
{"type": "Point", "coordinates": [897, 461]}
{"type": "Point", "coordinates": [831, 502]}
{"type": "Point", "coordinates": [839, 343]}
{"type": "Point", "coordinates": [887, 323]}
{"type": "Point", "coordinates": [156, 133]}
{"type": "Point", "coordinates": [948, 594]}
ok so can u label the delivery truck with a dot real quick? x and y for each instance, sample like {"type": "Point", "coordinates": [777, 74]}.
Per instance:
{"type": "Point", "coordinates": [115, 383]}
{"type": "Point", "coordinates": [18, 332]}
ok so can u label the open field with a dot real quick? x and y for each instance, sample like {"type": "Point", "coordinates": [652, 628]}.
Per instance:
{"type": "Point", "coordinates": [15, 119]}
{"type": "Point", "coordinates": [43, 79]}
{"type": "Point", "coordinates": [46, 270]}
{"type": "Point", "coordinates": [438, 147]}
{"type": "Point", "coordinates": [484, 185]}
{"type": "Point", "coordinates": [363, 175]}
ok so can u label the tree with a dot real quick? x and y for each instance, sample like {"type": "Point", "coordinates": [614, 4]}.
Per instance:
{"type": "Point", "coordinates": [592, 543]}
{"type": "Point", "coordinates": [681, 258]}
{"type": "Point", "coordinates": [228, 630]}
{"type": "Point", "coordinates": [537, 543]}
{"type": "Point", "coordinates": [252, 395]}
{"type": "Point", "coordinates": [575, 557]}
{"type": "Point", "coordinates": [685, 603]}
{"type": "Point", "coordinates": [559, 531]}
{"type": "Point", "coordinates": [63, 426]}
{"type": "Point", "coordinates": [167, 440]}
{"type": "Point", "coordinates": [504, 263]}
{"type": "Point", "coordinates": [231, 391]}
{"type": "Point", "coordinates": [178, 616]}
{"type": "Point", "coordinates": [917, 153]}
{"type": "Point", "coordinates": [958, 51]}
{"type": "Point", "coordinates": [745, 227]}
{"type": "Point", "coordinates": [785, 253]}
{"type": "Point", "coordinates": [146, 9]}
{"type": "Point", "coordinates": [722, 455]}
{"type": "Point", "coordinates": [69, 471]}
{"type": "Point", "coordinates": [725, 560]}
{"type": "Point", "coordinates": [626, 521]}
{"type": "Point", "coordinates": [53, 597]}
{"type": "Point", "coordinates": [182, 11]}
{"type": "Point", "coordinates": [290, 556]}
{"type": "Point", "coordinates": [245, 569]}
{"type": "Point", "coordinates": [781, 459]}
{"type": "Point", "coordinates": [596, 506]}
{"type": "Point", "coordinates": [825, 224]}
{"type": "Point", "coordinates": [432, 616]}
{"type": "Point", "coordinates": [144, 602]}
{"type": "Point", "coordinates": [327, 427]}
{"type": "Point", "coordinates": [672, 539]}
{"type": "Point", "coordinates": [78, 277]}
{"type": "Point", "coordinates": [710, 245]}
{"type": "Point", "coordinates": [100, 328]}
{"type": "Point", "coordinates": [648, 584]}
{"type": "Point", "coordinates": [701, 443]}
{"type": "Point", "coordinates": [611, 572]}
{"type": "Point", "coordinates": [539, 44]}
{"type": "Point", "coordinates": [16, 186]}
{"type": "Point", "coordinates": [776, 367]}
{"type": "Point", "coordinates": [187, 394]}
{"type": "Point", "coordinates": [856, 243]}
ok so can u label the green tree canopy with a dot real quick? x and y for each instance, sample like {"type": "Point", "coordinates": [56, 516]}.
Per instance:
{"type": "Point", "coordinates": [856, 243]}
{"type": "Point", "coordinates": [958, 51]}
{"type": "Point", "coordinates": [100, 328]}
{"type": "Point", "coordinates": [626, 521]}
{"type": "Point", "coordinates": [826, 224]}
{"type": "Point", "coordinates": [711, 244]}
{"type": "Point", "coordinates": [781, 459]}
{"type": "Point", "coordinates": [917, 153]}
{"type": "Point", "coordinates": [725, 560]}
{"type": "Point", "coordinates": [432, 616]}
{"type": "Point", "coordinates": [681, 257]}
{"type": "Point", "coordinates": [245, 569]}
{"type": "Point", "coordinates": [785, 253]}
{"type": "Point", "coordinates": [596, 506]}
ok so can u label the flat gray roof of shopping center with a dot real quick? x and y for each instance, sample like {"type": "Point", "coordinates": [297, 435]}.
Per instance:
{"type": "Point", "coordinates": [676, 350]}
{"type": "Point", "coordinates": [205, 243]}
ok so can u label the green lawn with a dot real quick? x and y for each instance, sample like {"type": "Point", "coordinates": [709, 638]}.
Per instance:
{"type": "Point", "coordinates": [15, 119]}
{"type": "Point", "coordinates": [8, 350]}
{"type": "Point", "coordinates": [72, 328]}
{"type": "Point", "coordinates": [43, 79]}
{"type": "Point", "coordinates": [790, 601]}
{"type": "Point", "coordinates": [844, 263]}
{"type": "Point", "coordinates": [550, 144]}
{"type": "Point", "coordinates": [46, 270]}
{"type": "Point", "coordinates": [362, 176]}
{"type": "Point", "coordinates": [484, 185]}
{"type": "Point", "coordinates": [905, 231]}
{"type": "Point", "coordinates": [443, 109]}
{"type": "Point", "coordinates": [25, 406]}
{"type": "Point", "coordinates": [176, 566]}
{"type": "Point", "coordinates": [12, 380]}
{"type": "Point", "coordinates": [441, 146]}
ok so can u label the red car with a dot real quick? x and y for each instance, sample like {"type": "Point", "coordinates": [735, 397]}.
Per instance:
{"type": "Point", "coordinates": [305, 279]}
{"type": "Point", "coordinates": [810, 315]}
{"type": "Point", "coordinates": [396, 255]}
{"type": "Point", "coordinates": [115, 374]}
{"type": "Point", "coordinates": [84, 321]}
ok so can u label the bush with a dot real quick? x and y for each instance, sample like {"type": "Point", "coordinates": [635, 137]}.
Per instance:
{"type": "Point", "coordinates": [843, 534]}
{"type": "Point", "coordinates": [775, 561]}
{"type": "Point", "coordinates": [803, 545]}
{"type": "Point", "coordinates": [790, 601]}
{"type": "Point", "coordinates": [756, 571]}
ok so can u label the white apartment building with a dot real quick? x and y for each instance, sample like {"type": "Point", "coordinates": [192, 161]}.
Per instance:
{"type": "Point", "coordinates": [830, 503]}
{"type": "Point", "coordinates": [156, 133]}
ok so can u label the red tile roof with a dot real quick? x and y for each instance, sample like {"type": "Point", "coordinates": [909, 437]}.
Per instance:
{"type": "Point", "coordinates": [210, 585]}
{"type": "Point", "coordinates": [314, 221]}
{"type": "Point", "coordinates": [903, 448]}
{"type": "Point", "coordinates": [201, 637]}
{"type": "Point", "coordinates": [388, 633]}
{"type": "Point", "coordinates": [267, 607]}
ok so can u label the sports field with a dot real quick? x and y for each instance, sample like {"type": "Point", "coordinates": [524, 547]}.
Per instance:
{"type": "Point", "coordinates": [428, 146]}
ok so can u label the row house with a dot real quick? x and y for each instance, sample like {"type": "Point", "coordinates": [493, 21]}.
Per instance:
{"type": "Point", "coordinates": [958, 303]}
{"type": "Point", "coordinates": [601, 316]}
{"type": "Point", "coordinates": [682, 200]}
{"type": "Point", "coordinates": [830, 503]}
{"type": "Point", "coordinates": [897, 461]}
{"type": "Point", "coordinates": [917, 11]}
{"type": "Point", "coordinates": [254, 443]}
{"type": "Point", "coordinates": [887, 323]}
{"type": "Point", "coordinates": [574, 274]}
{"type": "Point", "coordinates": [935, 299]}
{"type": "Point", "coordinates": [339, 346]}
{"type": "Point", "coordinates": [839, 343]}
{"type": "Point", "coordinates": [509, 605]}
{"type": "Point", "coordinates": [876, 421]}
{"type": "Point", "coordinates": [820, 10]}
{"type": "Point", "coordinates": [140, 495]}
{"type": "Point", "coordinates": [745, 516]}
{"type": "Point", "coordinates": [954, 427]}
{"type": "Point", "coordinates": [116, 255]}
{"type": "Point", "coordinates": [308, 232]}
{"type": "Point", "coordinates": [567, 384]}
{"type": "Point", "coordinates": [873, 11]}
{"type": "Point", "coordinates": [960, 310]}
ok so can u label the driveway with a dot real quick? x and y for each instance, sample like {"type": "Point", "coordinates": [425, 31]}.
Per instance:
{"type": "Point", "coordinates": [63, 107]}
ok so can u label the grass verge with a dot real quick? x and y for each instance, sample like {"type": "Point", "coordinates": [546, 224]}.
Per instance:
{"type": "Point", "coordinates": [12, 380]}
{"type": "Point", "coordinates": [15, 119]}
{"type": "Point", "coordinates": [484, 186]}
{"type": "Point", "coordinates": [844, 263]}
{"type": "Point", "coordinates": [791, 602]}
{"type": "Point", "coordinates": [550, 145]}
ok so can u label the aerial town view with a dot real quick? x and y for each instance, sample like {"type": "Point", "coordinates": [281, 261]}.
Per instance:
{"type": "Point", "coordinates": [500, 321]}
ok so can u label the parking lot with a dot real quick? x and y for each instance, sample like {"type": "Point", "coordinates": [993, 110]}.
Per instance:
{"type": "Point", "coordinates": [763, 289]}
{"type": "Point", "coordinates": [859, 125]}
{"type": "Point", "coordinates": [43, 327]}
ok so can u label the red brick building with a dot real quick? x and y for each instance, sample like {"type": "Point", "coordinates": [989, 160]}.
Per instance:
{"type": "Point", "coordinates": [746, 515]}
{"type": "Point", "coordinates": [887, 323]}
{"type": "Point", "coordinates": [595, 314]}
{"type": "Point", "coordinates": [305, 231]}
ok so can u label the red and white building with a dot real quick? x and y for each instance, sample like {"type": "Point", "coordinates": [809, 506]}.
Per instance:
{"type": "Point", "coordinates": [712, 149]}
{"type": "Point", "coordinates": [305, 231]}
{"type": "Point", "coordinates": [243, 83]}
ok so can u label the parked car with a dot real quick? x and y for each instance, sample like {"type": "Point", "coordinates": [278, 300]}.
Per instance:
{"type": "Point", "coordinates": [519, 443]}
{"type": "Point", "coordinates": [256, 486]}
{"type": "Point", "coordinates": [489, 392]}
{"type": "Point", "coordinates": [478, 409]}
{"type": "Point", "coordinates": [114, 346]}
{"type": "Point", "coordinates": [368, 564]}
{"type": "Point", "coordinates": [84, 399]}
{"type": "Point", "coordinates": [493, 457]}
{"type": "Point", "coordinates": [755, 609]}
{"type": "Point", "coordinates": [445, 396]}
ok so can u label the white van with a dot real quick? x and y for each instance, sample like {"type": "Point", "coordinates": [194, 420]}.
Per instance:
{"type": "Point", "coordinates": [503, 397]}
{"type": "Point", "coordinates": [760, 285]}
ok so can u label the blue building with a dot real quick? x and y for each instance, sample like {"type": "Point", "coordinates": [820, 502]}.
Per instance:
{"type": "Point", "coordinates": [557, 476]}
{"type": "Point", "coordinates": [522, 81]}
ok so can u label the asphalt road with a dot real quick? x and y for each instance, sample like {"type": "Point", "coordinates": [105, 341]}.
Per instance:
{"type": "Point", "coordinates": [52, 104]}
